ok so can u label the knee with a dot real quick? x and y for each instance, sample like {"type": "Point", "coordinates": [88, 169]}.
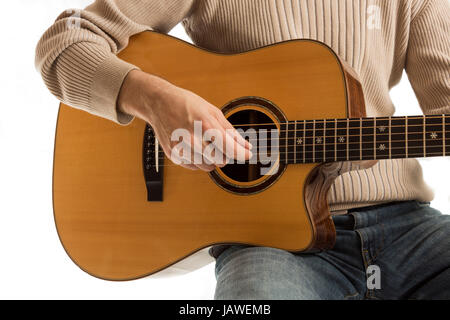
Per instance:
{"type": "Point", "coordinates": [254, 274]}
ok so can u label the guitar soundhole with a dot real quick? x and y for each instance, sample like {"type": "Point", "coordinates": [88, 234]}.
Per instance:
{"type": "Point", "coordinates": [254, 122]}
{"type": "Point", "coordinates": [259, 119]}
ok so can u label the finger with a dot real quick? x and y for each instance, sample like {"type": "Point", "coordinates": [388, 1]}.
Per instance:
{"type": "Point", "coordinates": [224, 162]}
{"type": "Point", "coordinates": [207, 150]}
{"type": "Point", "coordinates": [212, 152]}
{"type": "Point", "coordinates": [174, 152]}
{"type": "Point", "coordinates": [205, 167]}
{"type": "Point", "coordinates": [230, 147]}
{"type": "Point", "coordinates": [215, 146]}
{"type": "Point", "coordinates": [182, 154]}
{"type": "Point", "coordinates": [189, 151]}
{"type": "Point", "coordinates": [189, 166]}
{"type": "Point", "coordinates": [235, 150]}
{"type": "Point", "coordinates": [228, 126]}
{"type": "Point", "coordinates": [197, 157]}
{"type": "Point", "coordinates": [170, 153]}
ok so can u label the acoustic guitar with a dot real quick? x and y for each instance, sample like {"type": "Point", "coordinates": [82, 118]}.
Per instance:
{"type": "Point", "coordinates": [124, 211]}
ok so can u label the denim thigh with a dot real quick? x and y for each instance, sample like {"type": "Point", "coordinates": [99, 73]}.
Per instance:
{"type": "Point", "coordinates": [258, 273]}
{"type": "Point", "coordinates": [408, 241]}
{"type": "Point", "coordinates": [410, 244]}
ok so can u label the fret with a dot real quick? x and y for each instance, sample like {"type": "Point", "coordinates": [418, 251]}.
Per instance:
{"type": "Point", "coordinates": [447, 135]}
{"type": "Point", "coordinates": [330, 141]}
{"type": "Point", "coordinates": [368, 139]}
{"type": "Point", "coordinates": [424, 138]}
{"type": "Point", "coordinates": [341, 140]}
{"type": "Point", "coordinates": [283, 143]}
{"type": "Point", "coordinates": [375, 139]}
{"type": "Point", "coordinates": [291, 157]}
{"type": "Point", "coordinates": [406, 136]}
{"type": "Point", "coordinates": [360, 139]}
{"type": "Point", "coordinates": [398, 137]}
{"type": "Point", "coordinates": [382, 141]}
{"type": "Point", "coordinates": [304, 141]}
{"type": "Point", "coordinates": [335, 139]}
{"type": "Point", "coordinates": [444, 136]}
{"type": "Point", "coordinates": [295, 143]}
{"type": "Point", "coordinates": [308, 142]}
{"type": "Point", "coordinates": [434, 136]}
{"type": "Point", "coordinates": [324, 153]}
{"type": "Point", "coordinates": [299, 141]}
{"type": "Point", "coordinates": [348, 140]}
{"type": "Point", "coordinates": [415, 137]}
{"type": "Point", "coordinates": [319, 139]}
{"type": "Point", "coordinates": [390, 137]}
{"type": "Point", "coordinates": [354, 139]}
{"type": "Point", "coordinates": [314, 142]}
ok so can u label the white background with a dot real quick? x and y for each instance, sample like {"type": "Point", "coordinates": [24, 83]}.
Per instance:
{"type": "Point", "coordinates": [33, 264]}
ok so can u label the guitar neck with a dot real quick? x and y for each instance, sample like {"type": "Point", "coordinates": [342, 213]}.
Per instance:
{"type": "Point", "coordinates": [318, 141]}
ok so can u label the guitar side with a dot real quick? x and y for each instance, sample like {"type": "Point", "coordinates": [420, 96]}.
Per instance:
{"type": "Point", "coordinates": [102, 215]}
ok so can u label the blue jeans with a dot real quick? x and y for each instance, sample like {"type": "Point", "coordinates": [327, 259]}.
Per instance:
{"type": "Point", "coordinates": [408, 241]}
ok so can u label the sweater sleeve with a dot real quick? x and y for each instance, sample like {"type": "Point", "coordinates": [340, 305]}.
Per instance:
{"type": "Point", "coordinates": [428, 57]}
{"type": "Point", "coordinates": [77, 58]}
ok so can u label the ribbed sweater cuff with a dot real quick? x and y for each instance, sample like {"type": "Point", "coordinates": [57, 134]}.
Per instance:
{"type": "Point", "coordinates": [106, 85]}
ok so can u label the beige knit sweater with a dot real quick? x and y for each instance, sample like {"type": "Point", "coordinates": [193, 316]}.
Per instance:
{"type": "Point", "coordinates": [378, 38]}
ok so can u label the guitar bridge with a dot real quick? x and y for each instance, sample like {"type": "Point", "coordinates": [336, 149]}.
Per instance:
{"type": "Point", "coordinates": [153, 162]}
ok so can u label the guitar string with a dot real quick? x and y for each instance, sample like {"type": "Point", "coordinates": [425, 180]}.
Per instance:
{"type": "Point", "coordinates": [344, 149]}
{"type": "Point", "coordinates": [359, 128]}
{"type": "Point", "coordinates": [336, 159]}
{"type": "Point", "coordinates": [352, 120]}
{"type": "Point", "coordinates": [152, 146]}
{"type": "Point", "coordinates": [202, 182]}
{"type": "Point", "coordinates": [371, 151]}
{"type": "Point", "coordinates": [346, 121]}
{"type": "Point", "coordinates": [350, 150]}
{"type": "Point", "coordinates": [318, 130]}
{"type": "Point", "coordinates": [344, 128]}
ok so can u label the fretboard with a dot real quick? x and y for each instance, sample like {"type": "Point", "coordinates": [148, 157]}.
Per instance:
{"type": "Point", "coordinates": [318, 141]}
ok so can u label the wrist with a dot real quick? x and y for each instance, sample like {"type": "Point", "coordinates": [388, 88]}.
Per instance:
{"type": "Point", "coordinates": [142, 94]}
{"type": "Point", "coordinates": [127, 101]}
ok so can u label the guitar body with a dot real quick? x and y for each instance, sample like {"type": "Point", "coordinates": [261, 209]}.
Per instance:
{"type": "Point", "coordinates": [102, 213]}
